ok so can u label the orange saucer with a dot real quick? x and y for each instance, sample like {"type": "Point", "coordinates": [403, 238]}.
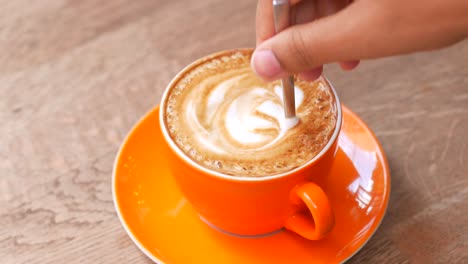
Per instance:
{"type": "Point", "coordinates": [167, 229]}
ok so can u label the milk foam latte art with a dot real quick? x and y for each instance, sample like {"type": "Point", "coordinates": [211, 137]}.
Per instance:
{"type": "Point", "coordinates": [223, 117]}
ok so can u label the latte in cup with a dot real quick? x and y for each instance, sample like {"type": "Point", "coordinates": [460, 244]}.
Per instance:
{"type": "Point", "coordinates": [226, 119]}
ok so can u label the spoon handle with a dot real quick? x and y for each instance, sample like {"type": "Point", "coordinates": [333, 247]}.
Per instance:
{"type": "Point", "coordinates": [281, 15]}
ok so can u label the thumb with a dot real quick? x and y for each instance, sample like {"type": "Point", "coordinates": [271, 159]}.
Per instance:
{"type": "Point", "coordinates": [343, 36]}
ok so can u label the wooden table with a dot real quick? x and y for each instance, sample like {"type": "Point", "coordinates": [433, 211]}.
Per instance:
{"type": "Point", "coordinates": [75, 76]}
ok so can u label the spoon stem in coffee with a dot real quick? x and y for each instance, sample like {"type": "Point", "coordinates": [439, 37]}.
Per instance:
{"type": "Point", "coordinates": [288, 97]}
{"type": "Point", "coordinates": [282, 20]}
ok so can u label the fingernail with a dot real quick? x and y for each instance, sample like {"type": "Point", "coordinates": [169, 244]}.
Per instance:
{"type": "Point", "coordinates": [266, 65]}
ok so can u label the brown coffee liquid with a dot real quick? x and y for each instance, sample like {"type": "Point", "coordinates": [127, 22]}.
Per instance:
{"type": "Point", "coordinates": [226, 119]}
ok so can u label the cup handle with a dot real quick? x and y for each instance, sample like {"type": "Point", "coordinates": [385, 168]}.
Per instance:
{"type": "Point", "coordinates": [320, 221]}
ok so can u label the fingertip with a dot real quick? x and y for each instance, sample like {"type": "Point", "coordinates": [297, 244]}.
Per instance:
{"type": "Point", "coordinates": [265, 64]}
{"type": "Point", "coordinates": [311, 75]}
{"type": "Point", "coordinates": [349, 65]}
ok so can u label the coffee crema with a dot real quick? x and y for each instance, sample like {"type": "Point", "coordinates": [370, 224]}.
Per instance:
{"type": "Point", "coordinates": [226, 119]}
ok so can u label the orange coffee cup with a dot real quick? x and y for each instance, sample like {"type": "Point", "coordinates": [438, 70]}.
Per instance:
{"type": "Point", "coordinates": [251, 206]}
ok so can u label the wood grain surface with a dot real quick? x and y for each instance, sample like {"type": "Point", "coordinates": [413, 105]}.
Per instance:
{"type": "Point", "coordinates": [75, 76]}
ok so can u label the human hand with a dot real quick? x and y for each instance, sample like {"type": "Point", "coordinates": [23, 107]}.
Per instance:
{"type": "Point", "coordinates": [345, 31]}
